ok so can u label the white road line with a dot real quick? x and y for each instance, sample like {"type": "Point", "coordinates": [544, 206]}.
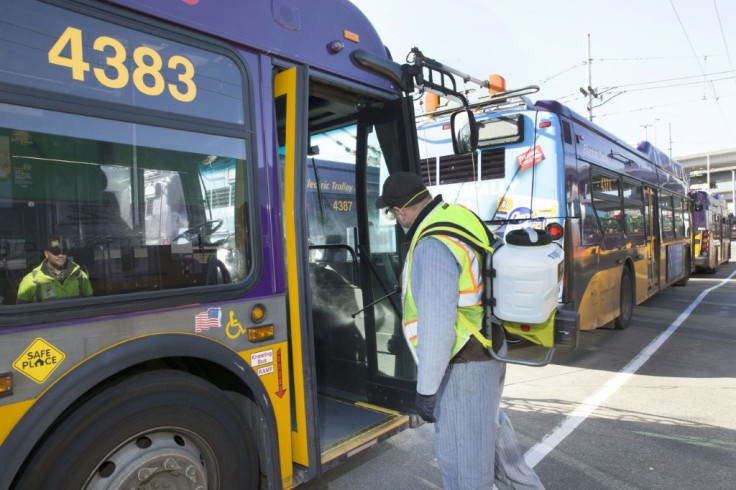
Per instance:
{"type": "Point", "coordinates": [539, 451]}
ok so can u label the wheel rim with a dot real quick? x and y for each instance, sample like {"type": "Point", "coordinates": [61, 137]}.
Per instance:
{"type": "Point", "coordinates": [161, 458]}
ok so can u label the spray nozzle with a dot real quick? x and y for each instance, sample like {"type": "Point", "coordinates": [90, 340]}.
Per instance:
{"type": "Point", "coordinates": [532, 233]}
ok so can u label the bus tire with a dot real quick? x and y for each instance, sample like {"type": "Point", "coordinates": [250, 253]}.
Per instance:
{"type": "Point", "coordinates": [626, 302]}
{"type": "Point", "coordinates": [158, 429]}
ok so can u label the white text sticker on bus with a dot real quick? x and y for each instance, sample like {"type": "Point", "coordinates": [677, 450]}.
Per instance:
{"type": "Point", "coordinates": [260, 358]}
{"type": "Point", "coordinates": [530, 157]}
{"type": "Point", "coordinates": [263, 370]}
{"type": "Point", "coordinates": [39, 360]}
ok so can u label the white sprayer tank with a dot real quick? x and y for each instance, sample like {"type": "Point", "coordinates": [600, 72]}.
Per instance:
{"type": "Point", "coordinates": [528, 272]}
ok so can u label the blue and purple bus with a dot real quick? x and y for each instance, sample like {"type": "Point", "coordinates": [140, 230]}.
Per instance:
{"type": "Point", "coordinates": [212, 168]}
{"type": "Point", "coordinates": [711, 231]}
{"type": "Point", "coordinates": [621, 214]}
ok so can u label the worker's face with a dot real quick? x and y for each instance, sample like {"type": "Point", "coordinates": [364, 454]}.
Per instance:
{"type": "Point", "coordinates": [57, 259]}
{"type": "Point", "coordinates": [404, 216]}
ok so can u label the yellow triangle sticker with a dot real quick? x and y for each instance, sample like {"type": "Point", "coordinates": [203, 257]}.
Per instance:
{"type": "Point", "coordinates": [39, 360]}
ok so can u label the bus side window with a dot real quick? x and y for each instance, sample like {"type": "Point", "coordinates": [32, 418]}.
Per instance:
{"type": "Point", "coordinates": [566, 132]}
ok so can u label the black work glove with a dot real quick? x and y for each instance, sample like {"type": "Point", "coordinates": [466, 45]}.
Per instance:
{"type": "Point", "coordinates": [425, 406]}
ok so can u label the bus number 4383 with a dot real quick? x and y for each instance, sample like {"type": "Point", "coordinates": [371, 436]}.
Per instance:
{"type": "Point", "coordinates": [147, 76]}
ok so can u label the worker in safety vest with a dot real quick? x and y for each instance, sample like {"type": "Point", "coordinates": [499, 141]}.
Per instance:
{"type": "Point", "coordinates": [55, 278]}
{"type": "Point", "coordinates": [459, 384]}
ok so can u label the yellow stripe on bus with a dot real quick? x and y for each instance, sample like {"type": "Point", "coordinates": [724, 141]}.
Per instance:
{"type": "Point", "coordinates": [285, 85]}
{"type": "Point", "coordinates": [11, 414]}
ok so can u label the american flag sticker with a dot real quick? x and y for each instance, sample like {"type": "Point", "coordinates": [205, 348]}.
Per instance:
{"type": "Point", "coordinates": [207, 319]}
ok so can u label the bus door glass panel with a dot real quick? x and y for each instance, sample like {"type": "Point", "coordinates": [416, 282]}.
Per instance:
{"type": "Point", "coordinates": [388, 249]}
{"type": "Point", "coordinates": [128, 200]}
{"type": "Point", "coordinates": [332, 217]}
{"type": "Point", "coordinates": [355, 338]}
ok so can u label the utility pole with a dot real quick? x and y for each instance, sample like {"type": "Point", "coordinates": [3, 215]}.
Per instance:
{"type": "Point", "coordinates": [646, 130]}
{"type": "Point", "coordinates": [590, 81]}
{"type": "Point", "coordinates": [670, 128]}
{"type": "Point", "coordinates": [589, 92]}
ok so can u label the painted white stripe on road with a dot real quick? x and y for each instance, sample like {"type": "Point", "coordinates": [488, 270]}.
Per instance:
{"type": "Point", "coordinates": [538, 452]}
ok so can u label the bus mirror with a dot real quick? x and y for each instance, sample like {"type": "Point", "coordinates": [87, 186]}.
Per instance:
{"type": "Point", "coordinates": [697, 206]}
{"type": "Point", "coordinates": [464, 132]}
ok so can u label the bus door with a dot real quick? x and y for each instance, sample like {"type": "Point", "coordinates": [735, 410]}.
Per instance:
{"type": "Point", "coordinates": [653, 239]}
{"type": "Point", "coordinates": [353, 373]}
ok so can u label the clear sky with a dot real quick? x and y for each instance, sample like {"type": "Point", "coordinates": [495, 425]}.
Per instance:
{"type": "Point", "coordinates": [658, 65]}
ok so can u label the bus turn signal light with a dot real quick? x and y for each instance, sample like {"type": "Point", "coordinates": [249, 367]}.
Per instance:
{"type": "Point", "coordinates": [261, 333]}
{"type": "Point", "coordinates": [6, 384]}
{"type": "Point", "coordinates": [351, 36]}
{"type": "Point", "coordinates": [258, 313]}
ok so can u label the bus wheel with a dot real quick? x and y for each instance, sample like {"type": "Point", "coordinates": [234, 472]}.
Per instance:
{"type": "Point", "coordinates": [626, 304]}
{"type": "Point", "coordinates": [162, 429]}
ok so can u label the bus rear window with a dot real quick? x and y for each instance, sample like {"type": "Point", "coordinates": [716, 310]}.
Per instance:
{"type": "Point", "coordinates": [500, 130]}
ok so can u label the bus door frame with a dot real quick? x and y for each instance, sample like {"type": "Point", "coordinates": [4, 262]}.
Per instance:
{"type": "Point", "coordinates": [385, 391]}
{"type": "Point", "coordinates": [293, 84]}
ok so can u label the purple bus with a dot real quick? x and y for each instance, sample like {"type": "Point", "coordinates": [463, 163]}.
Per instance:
{"type": "Point", "coordinates": [208, 170]}
{"type": "Point", "coordinates": [711, 231]}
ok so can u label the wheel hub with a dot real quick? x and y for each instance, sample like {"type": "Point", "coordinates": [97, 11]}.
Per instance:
{"type": "Point", "coordinates": [164, 460]}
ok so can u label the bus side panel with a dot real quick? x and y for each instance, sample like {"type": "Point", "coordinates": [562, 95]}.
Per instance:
{"type": "Point", "coordinates": [586, 256]}
{"type": "Point", "coordinates": [88, 367]}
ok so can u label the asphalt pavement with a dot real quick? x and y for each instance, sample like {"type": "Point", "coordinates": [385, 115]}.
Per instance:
{"type": "Point", "coordinates": [649, 407]}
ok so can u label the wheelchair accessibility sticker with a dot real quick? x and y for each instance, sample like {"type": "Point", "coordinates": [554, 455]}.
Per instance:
{"type": "Point", "coordinates": [39, 360]}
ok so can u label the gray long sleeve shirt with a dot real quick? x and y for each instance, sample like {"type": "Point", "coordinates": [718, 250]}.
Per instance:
{"type": "Point", "coordinates": [434, 284]}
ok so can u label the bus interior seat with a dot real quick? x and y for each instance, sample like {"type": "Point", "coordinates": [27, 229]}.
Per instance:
{"type": "Point", "coordinates": [339, 338]}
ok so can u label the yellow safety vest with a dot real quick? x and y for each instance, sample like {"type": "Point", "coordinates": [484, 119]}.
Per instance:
{"type": "Point", "coordinates": [37, 286]}
{"type": "Point", "coordinates": [439, 224]}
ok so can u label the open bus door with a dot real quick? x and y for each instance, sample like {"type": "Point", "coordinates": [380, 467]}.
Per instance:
{"type": "Point", "coordinates": [353, 378]}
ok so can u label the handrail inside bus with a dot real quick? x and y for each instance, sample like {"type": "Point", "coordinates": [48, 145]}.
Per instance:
{"type": "Point", "coordinates": [338, 246]}
{"type": "Point", "coordinates": [389, 293]}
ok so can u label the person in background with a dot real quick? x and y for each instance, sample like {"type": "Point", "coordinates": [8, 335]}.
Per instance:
{"type": "Point", "coordinates": [459, 384]}
{"type": "Point", "coordinates": [55, 278]}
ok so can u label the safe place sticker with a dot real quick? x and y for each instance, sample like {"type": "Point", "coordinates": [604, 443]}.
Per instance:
{"type": "Point", "coordinates": [39, 360]}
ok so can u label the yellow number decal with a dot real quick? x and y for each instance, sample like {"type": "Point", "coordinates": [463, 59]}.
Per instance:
{"type": "Point", "coordinates": [73, 38]}
{"type": "Point", "coordinates": [185, 78]}
{"type": "Point", "coordinates": [116, 61]}
{"type": "Point", "coordinates": [68, 51]}
{"type": "Point", "coordinates": [342, 205]}
{"type": "Point", "coordinates": [152, 68]}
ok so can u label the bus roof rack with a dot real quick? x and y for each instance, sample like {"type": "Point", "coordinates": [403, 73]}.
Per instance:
{"type": "Point", "coordinates": [432, 76]}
